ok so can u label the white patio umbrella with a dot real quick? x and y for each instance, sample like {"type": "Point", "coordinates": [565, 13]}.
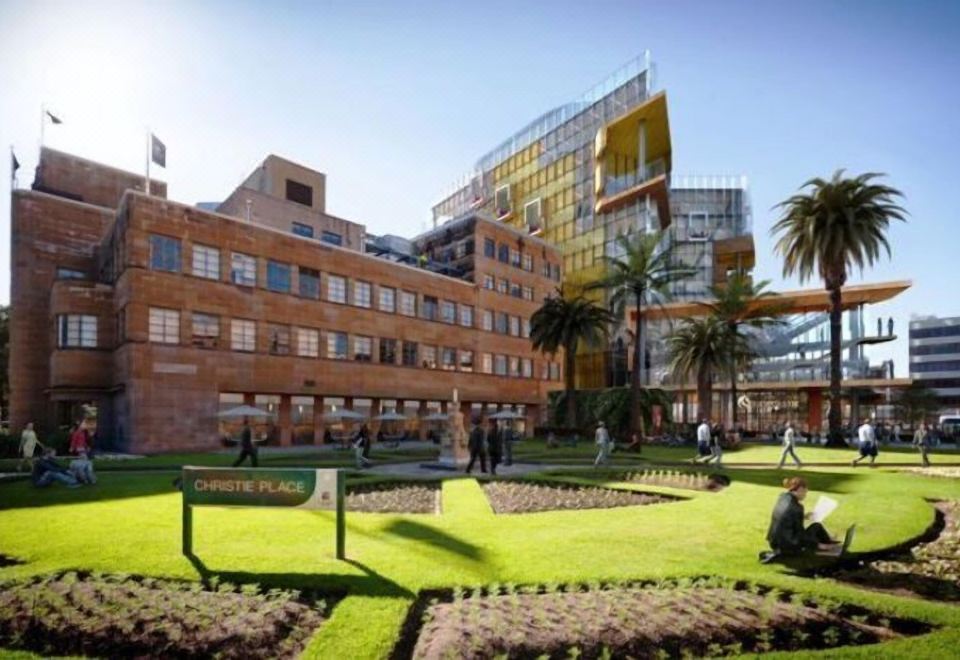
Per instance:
{"type": "Point", "coordinates": [344, 414]}
{"type": "Point", "coordinates": [390, 417]}
{"type": "Point", "coordinates": [436, 417]}
{"type": "Point", "coordinates": [243, 411]}
{"type": "Point", "coordinates": [505, 414]}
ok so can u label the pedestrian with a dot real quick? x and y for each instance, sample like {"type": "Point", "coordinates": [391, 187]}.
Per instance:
{"type": "Point", "coordinates": [922, 439]}
{"type": "Point", "coordinates": [635, 444]}
{"type": "Point", "coordinates": [494, 446]}
{"type": "Point", "coordinates": [602, 439]}
{"type": "Point", "coordinates": [81, 468]}
{"type": "Point", "coordinates": [868, 443]}
{"type": "Point", "coordinates": [703, 440]}
{"type": "Point", "coordinates": [79, 439]}
{"type": "Point", "coordinates": [507, 443]}
{"type": "Point", "coordinates": [361, 448]}
{"type": "Point", "coordinates": [247, 446]}
{"type": "Point", "coordinates": [789, 445]}
{"type": "Point", "coordinates": [28, 446]}
{"type": "Point", "coordinates": [46, 470]}
{"type": "Point", "coordinates": [716, 449]}
{"type": "Point", "coordinates": [476, 445]}
{"type": "Point", "coordinates": [787, 535]}
{"type": "Point", "coordinates": [890, 326]}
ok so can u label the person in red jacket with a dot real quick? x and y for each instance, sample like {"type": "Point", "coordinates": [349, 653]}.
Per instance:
{"type": "Point", "coordinates": [79, 440]}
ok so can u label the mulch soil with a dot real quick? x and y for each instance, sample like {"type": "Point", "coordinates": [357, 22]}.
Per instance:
{"type": "Point", "coordinates": [528, 497]}
{"type": "Point", "coordinates": [677, 479]}
{"type": "Point", "coordinates": [399, 497]}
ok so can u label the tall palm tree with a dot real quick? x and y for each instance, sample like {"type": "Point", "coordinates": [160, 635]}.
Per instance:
{"type": "Point", "coordinates": [702, 346]}
{"type": "Point", "coordinates": [563, 323]}
{"type": "Point", "coordinates": [741, 303]}
{"type": "Point", "coordinates": [641, 276]}
{"type": "Point", "coordinates": [827, 230]}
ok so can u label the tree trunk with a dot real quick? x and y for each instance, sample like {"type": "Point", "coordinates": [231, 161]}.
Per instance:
{"type": "Point", "coordinates": [733, 396]}
{"type": "Point", "coordinates": [705, 394]}
{"type": "Point", "coordinates": [569, 379]}
{"type": "Point", "coordinates": [636, 412]}
{"type": "Point", "coordinates": [834, 419]}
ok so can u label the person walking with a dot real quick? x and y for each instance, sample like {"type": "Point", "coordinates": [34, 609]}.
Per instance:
{"type": "Point", "coordinates": [602, 439]}
{"type": "Point", "coordinates": [28, 446]}
{"type": "Point", "coordinates": [703, 440]}
{"type": "Point", "coordinates": [475, 444]}
{"type": "Point", "coordinates": [922, 439]}
{"type": "Point", "coordinates": [789, 445]}
{"type": "Point", "coordinates": [494, 447]}
{"type": "Point", "coordinates": [247, 446]}
{"type": "Point", "coordinates": [868, 443]}
{"type": "Point", "coordinates": [506, 441]}
{"type": "Point", "coordinates": [361, 448]}
{"type": "Point", "coordinates": [716, 449]}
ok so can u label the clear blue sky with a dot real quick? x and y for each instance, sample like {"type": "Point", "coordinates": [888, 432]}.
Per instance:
{"type": "Point", "coordinates": [395, 100]}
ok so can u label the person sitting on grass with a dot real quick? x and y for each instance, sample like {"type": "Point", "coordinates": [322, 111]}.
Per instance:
{"type": "Point", "coordinates": [635, 444]}
{"type": "Point", "coordinates": [787, 536]}
{"type": "Point", "coordinates": [46, 470]}
{"type": "Point", "coordinates": [81, 468]}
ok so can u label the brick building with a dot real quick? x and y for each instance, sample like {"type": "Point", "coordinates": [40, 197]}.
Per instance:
{"type": "Point", "coordinates": [163, 314]}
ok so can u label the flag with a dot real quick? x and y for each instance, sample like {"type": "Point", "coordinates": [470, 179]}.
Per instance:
{"type": "Point", "coordinates": [54, 118]}
{"type": "Point", "coordinates": [14, 163]}
{"type": "Point", "coordinates": [158, 151]}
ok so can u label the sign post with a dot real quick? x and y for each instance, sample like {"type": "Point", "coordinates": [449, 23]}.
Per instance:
{"type": "Point", "coordinates": [297, 488]}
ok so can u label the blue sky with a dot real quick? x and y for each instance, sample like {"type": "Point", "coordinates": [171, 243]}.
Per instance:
{"type": "Point", "coordinates": [395, 100]}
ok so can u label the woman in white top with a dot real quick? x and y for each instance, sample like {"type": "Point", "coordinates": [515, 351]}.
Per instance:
{"type": "Point", "coordinates": [28, 445]}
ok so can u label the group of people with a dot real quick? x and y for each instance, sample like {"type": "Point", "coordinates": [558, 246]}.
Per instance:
{"type": "Point", "coordinates": [709, 439]}
{"type": "Point", "coordinates": [46, 470]}
{"type": "Point", "coordinates": [493, 442]}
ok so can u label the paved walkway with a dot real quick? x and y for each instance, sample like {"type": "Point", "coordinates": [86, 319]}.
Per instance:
{"type": "Point", "coordinates": [419, 469]}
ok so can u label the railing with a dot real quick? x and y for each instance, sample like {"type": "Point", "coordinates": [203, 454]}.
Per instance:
{"type": "Point", "coordinates": [617, 184]}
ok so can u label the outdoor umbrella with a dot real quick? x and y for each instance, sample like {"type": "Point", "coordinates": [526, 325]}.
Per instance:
{"type": "Point", "coordinates": [436, 417]}
{"type": "Point", "coordinates": [243, 411]}
{"type": "Point", "coordinates": [344, 414]}
{"type": "Point", "coordinates": [505, 414]}
{"type": "Point", "coordinates": [390, 417]}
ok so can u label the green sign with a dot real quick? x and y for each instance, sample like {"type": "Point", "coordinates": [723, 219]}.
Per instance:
{"type": "Point", "coordinates": [293, 487]}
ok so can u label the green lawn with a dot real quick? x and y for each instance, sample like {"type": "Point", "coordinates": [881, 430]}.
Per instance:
{"type": "Point", "coordinates": [130, 523]}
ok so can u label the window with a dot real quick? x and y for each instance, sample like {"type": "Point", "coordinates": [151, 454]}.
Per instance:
{"type": "Point", "coordinates": [388, 299]}
{"type": "Point", "coordinates": [554, 371]}
{"type": "Point", "coordinates": [502, 200]}
{"type": "Point", "coordinates": [503, 323]}
{"type": "Point", "coordinates": [448, 358]}
{"type": "Point", "coordinates": [515, 367]}
{"type": "Point", "coordinates": [299, 193]}
{"type": "Point", "coordinates": [243, 269]}
{"type": "Point", "coordinates": [546, 269]}
{"type": "Point", "coordinates": [525, 328]}
{"type": "Point", "coordinates": [527, 293]}
{"type": "Point", "coordinates": [515, 258]}
{"type": "Point", "coordinates": [164, 326]}
{"type": "Point", "coordinates": [486, 363]}
{"type": "Point", "coordinates": [337, 345]}
{"type": "Point", "coordinates": [278, 277]}
{"type": "Point", "coordinates": [362, 294]}
{"type": "Point", "coordinates": [555, 272]}
{"type": "Point", "coordinates": [77, 331]}
{"type": "Point", "coordinates": [500, 365]}
{"type": "Point", "coordinates": [206, 262]}
{"type": "Point", "coordinates": [503, 253]}
{"type": "Point", "coordinates": [503, 286]}
{"type": "Point", "coordinates": [528, 263]}
{"type": "Point", "coordinates": [301, 229]}
{"type": "Point", "coordinates": [164, 253]}
{"type": "Point", "coordinates": [697, 228]}
{"type": "Point", "coordinates": [206, 330]}
{"type": "Point", "coordinates": [70, 274]}
{"type": "Point", "coordinates": [515, 326]}
{"type": "Point", "coordinates": [430, 308]}
{"type": "Point", "coordinates": [408, 303]}
{"type": "Point", "coordinates": [331, 237]}
{"type": "Point", "coordinates": [489, 248]}
{"type": "Point", "coordinates": [409, 354]}
{"type": "Point", "coordinates": [362, 349]}
{"type": "Point", "coordinates": [309, 282]}
{"type": "Point", "coordinates": [336, 289]}
{"type": "Point", "coordinates": [279, 339]}
{"type": "Point", "coordinates": [466, 316]}
{"type": "Point", "coordinates": [526, 367]}
{"type": "Point", "coordinates": [532, 215]}
{"type": "Point", "coordinates": [308, 342]}
{"type": "Point", "coordinates": [388, 351]}
{"type": "Point", "coordinates": [486, 321]}
{"type": "Point", "coordinates": [448, 311]}
{"type": "Point", "coordinates": [466, 360]}
{"type": "Point", "coordinates": [428, 357]}
{"type": "Point", "coordinates": [516, 290]}
{"type": "Point", "coordinates": [488, 282]}
{"type": "Point", "coordinates": [243, 335]}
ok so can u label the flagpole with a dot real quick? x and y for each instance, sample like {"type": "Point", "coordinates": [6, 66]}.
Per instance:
{"type": "Point", "coordinates": [43, 121]}
{"type": "Point", "coordinates": [13, 170]}
{"type": "Point", "coordinates": [148, 161]}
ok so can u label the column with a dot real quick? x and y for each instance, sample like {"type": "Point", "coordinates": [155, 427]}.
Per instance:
{"type": "Point", "coordinates": [422, 426]}
{"type": "Point", "coordinates": [374, 424]}
{"type": "Point", "coordinates": [814, 409]}
{"type": "Point", "coordinates": [318, 420]}
{"type": "Point", "coordinates": [531, 419]}
{"type": "Point", "coordinates": [249, 399]}
{"type": "Point", "coordinates": [285, 422]}
{"type": "Point", "coordinates": [642, 152]}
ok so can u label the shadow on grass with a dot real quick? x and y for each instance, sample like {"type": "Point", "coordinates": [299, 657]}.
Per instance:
{"type": "Point", "coordinates": [440, 540]}
{"type": "Point", "coordinates": [22, 494]}
{"type": "Point", "coordinates": [370, 583]}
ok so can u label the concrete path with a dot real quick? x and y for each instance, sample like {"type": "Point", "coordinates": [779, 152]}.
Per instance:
{"type": "Point", "coordinates": [418, 469]}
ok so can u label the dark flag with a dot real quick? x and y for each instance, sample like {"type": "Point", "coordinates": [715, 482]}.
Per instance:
{"type": "Point", "coordinates": [54, 118]}
{"type": "Point", "coordinates": [158, 151]}
{"type": "Point", "coordinates": [14, 163]}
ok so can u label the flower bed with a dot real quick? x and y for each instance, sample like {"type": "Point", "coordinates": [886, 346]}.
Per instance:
{"type": "Point", "coordinates": [931, 570]}
{"type": "Point", "coordinates": [74, 613]}
{"type": "Point", "coordinates": [676, 479]}
{"type": "Point", "coordinates": [395, 497]}
{"type": "Point", "coordinates": [528, 497]}
{"type": "Point", "coordinates": [683, 619]}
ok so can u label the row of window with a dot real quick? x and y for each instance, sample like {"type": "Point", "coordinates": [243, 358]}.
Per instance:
{"type": "Point", "coordinates": [936, 349]}
{"type": "Point", "coordinates": [164, 328]}
{"type": "Point", "coordinates": [505, 254]}
{"type": "Point", "coordinates": [507, 287]}
{"type": "Point", "coordinates": [939, 331]}
{"type": "Point", "coordinates": [927, 367]}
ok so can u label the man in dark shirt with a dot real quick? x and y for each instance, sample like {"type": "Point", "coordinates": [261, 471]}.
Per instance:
{"type": "Point", "coordinates": [247, 447]}
{"type": "Point", "coordinates": [477, 450]}
{"type": "Point", "coordinates": [46, 470]}
{"type": "Point", "coordinates": [494, 446]}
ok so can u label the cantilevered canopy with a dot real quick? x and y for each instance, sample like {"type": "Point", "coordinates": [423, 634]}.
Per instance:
{"type": "Point", "coordinates": [622, 132]}
{"type": "Point", "coordinates": [795, 302]}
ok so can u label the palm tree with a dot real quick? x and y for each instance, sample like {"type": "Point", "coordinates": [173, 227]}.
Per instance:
{"type": "Point", "coordinates": [742, 303]}
{"type": "Point", "coordinates": [702, 346]}
{"type": "Point", "coordinates": [565, 322]}
{"type": "Point", "coordinates": [641, 276]}
{"type": "Point", "coordinates": [827, 230]}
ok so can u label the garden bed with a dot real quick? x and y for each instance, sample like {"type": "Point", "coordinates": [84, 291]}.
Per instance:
{"type": "Point", "coordinates": [529, 497]}
{"type": "Point", "coordinates": [395, 497]}
{"type": "Point", "coordinates": [84, 614]}
{"type": "Point", "coordinates": [676, 479]}
{"type": "Point", "coordinates": [930, 569]}
{"type": "Point", "coordinates": [675, 620]}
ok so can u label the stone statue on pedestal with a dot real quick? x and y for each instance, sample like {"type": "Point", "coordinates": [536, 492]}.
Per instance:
{"type": "Point", "coordinates": [453, 446]}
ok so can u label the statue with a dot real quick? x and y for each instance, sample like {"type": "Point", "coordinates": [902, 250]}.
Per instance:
{"type": "Point", "coordinates": [453, 445]}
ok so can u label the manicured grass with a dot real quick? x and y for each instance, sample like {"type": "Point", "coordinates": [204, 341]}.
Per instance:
{"type": "Point", "coordinates": [130, 523]}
